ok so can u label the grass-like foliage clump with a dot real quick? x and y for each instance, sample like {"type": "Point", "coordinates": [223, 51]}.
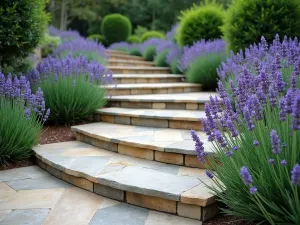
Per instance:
{"type": "Point", "coordinates": [71, 87]}
{"type": "Point", "coordinates": [149, 53]}
{"type": "Point", "coordinates": [22, 114]}
{"type": "Point", "coordinates": [204, 70]}
{"type": "Point", "coordinates": [254, 130]}
{"type": "Point", "coordinates": [160, 59]}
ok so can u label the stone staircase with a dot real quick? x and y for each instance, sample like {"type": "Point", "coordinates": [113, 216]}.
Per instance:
{"type": "Point", "coordinates": [139, 149]}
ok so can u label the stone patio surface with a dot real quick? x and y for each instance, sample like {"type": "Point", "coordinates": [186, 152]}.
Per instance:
{"type": "Point", "coordinates": [31, 196]}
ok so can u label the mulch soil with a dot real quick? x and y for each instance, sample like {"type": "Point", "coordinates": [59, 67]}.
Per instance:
{"type": "Point", "coordinates": [61, 133]}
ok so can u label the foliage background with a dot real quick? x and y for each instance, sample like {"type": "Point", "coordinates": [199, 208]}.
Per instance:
{"type": "Point", "coordinates": [86, 15]}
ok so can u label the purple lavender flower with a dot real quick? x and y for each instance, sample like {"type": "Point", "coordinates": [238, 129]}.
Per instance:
{"type": "Point", "coordinates": [253, 190]}
{"type": "Point", "coordinates": [235, 148]}
{"type": "Point", "coordinates": [295, 179]}
{"type": "Point", "coordinates": [296, 113]}
{"type": "Point", "coordinates": [271, 161]}
{"type": "Point", "coordinates": [232, 129]}
{"type": "Point", "coordinates": [220, 138]}
{"type": "Point", "coordinates": [275, 142]}
{"type": "Point", "coordinates": [248, 119]}
{"type": "Point", "coordinates": [246, 176]}
{"type": "Point", "coordinates": [198, 146]}
{"type": "Point", "coordinates": [198, 49]}
{"type": "Point", "coordinates": [284, 145]}
{"type": "Point", "coordinates": [229, 153]}
{"type": "Point", "coordinates": [27, 113]}
{"type": "Point", "coordinates": [256, 143]}
{"type": "Point", "coordinates": [283, 162]}
{"type": "Point", "coordinates": [209, 174]}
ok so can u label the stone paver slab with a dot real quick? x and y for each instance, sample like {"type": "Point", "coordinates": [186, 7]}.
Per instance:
{"type": "Point", "coordinates": [4, 213]}
{"type": "Point", "coordinates": [186, 115]}
{"type": "Point", "coordinates": [25, 216]}
{"type": "Point", "coordinates": [121, 214]}
{"type": "Point", "coordinates": [38, 183]}
{"type": "Point", "coordinates": [158, 218]}
{"type": "Point", "coordinates": [33, 199]}
{"type": "Point", "coordinates": [196, 97]}
{"type": "Point", "coordinates": [75, 207]}
{"type": "Point", "coordinates": [22, 173]}
{"type": "Point", "coordinates": [149, 182]}
{"type": "Point", "coordinates": [6, 192]}
{"type": "Point", "coordinates": [153, 85]}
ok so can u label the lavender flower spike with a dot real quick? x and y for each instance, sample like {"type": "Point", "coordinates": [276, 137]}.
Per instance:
{"type": "Point", "coordinates": [209, 174]}
{"type": "Point", "coordinates": [198, 146]}
{"type": "Point", "coordinates": [296, 175]}
{"type": "Point", "coordinates": [253, 190]}
{"type": "Point", "coordinates": [275, 141]}
{"type": "Point", "coordinates": [246, 176]}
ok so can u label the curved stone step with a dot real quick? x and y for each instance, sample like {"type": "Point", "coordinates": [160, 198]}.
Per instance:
{"type": "Point", "coordinates": [120, 62]}
{"type": "Point", "coordinates": [190, 101]}
{"type": "Point", "coordinates": [112, 51]}
{"type": "Point", "coordinates": [163, 118]}
{"type": "Point", "coordinates": [174, 146]}
{"type": "Point", "coordinates": [146, 78]}
{"type": "Point", "coordinates": [117, 56]}
{"type": "Point", "coordinates": [153, 185]}
{"type": "Point", "coordinates": [139, 70]}
{"type": "Point", "coordinates": [153, 88]}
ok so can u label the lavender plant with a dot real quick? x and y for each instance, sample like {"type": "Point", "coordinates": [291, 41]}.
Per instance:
{"type": "Point", "coordinates": [22, 114]}
{"type": "Point", "coordinates": [173, 57]}
{"type": "Point", "coordinates": [65, 36]}
{"type": "Point", "coordinates": [148, 48]}
{"type": "Point", "coordinates": [134, 49]}
{"type": "Point", "coordinates": [122, 46]}
{"type": "Point", "coordinates": [200, 62]}
{"type": "Point", "coordinates": [73, 87]}
{"type": "Point", "coordinates": [82, 47]}
{"type": "Point", "coordinates": [162, 51]}
{"type": "Point", "coordinates": [255, 134]}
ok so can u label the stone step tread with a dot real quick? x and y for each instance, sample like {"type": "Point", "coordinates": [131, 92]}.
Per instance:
{"type": "Point", "coordinates": [116, 51]}
{"type": "Point", "coordinates": [153, 138]}
{"type": "Point", "coordinates": [138, 68]}
{"type": "Point", "coordinates": [131, 61]}
{"type": "Point", "coordinates": [196, 97]}
{"type": "Point", "coordinates": [127, 173]}
{"type": "Point", "coordinates": [121, 55]}
{"type": "Point", "coordinates": [147, 76]}
{"type": "Point", "coordinates": [171, 114]}
{"type": "Point", "coordinates": [152, 85]}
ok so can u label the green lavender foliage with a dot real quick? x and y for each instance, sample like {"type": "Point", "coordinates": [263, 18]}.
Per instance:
{"type": "Point", "coordinates": [160, 59]}
{"type": "Point", "coordinates": [99, 38]}
{"type": "Point", "coordinates": [149, 53]}
{"type": "Point", "coordinates": [70, 100]}
{"type": "Point", "coordinates": [17, 133]}
{"type": "Point", "coordinates": [135, 51]}
{"type": "Point", "coordinates": [174, 67]}
{"type": "Point", "coordinates": [204, 70]}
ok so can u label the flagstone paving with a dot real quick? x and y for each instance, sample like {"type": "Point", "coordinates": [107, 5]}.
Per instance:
{"type": "Point", "coordinates": [69, 205]}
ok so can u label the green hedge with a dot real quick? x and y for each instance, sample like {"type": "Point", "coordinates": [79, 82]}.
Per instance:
{"type": "Point", "coordinates": [134, 39]}
{"type": "Point", "coordinates": [248, 20]}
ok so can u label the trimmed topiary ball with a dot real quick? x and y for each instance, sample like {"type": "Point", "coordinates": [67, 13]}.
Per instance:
{"type": "Point", "coordinates": [133, 39]}
{"type": "Point", "coordinates": [116, 28]}
{"type": "Point", "coordinates": [149, 53]}
{"type": "Point", "coordinates": [99, 38]}
{"type": "Point", "coordinates": [152, 34]}
{"type": "Point", "coordinates": [200, 22]}
{"type": "Point", "coordinates": [160, 59]}
{"type": "Point", "coordinates": [247, 20]}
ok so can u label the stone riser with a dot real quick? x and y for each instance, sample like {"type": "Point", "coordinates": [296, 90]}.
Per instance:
{"type": "Point", "coordinates": [149, 122]}
{"type": "Point", "coordinates": [145, 201]}
{"type": "Point", "coordinates": [156, 105]}
{"type": "Point", "coordinates": [129, 63]}
{"type": "Point", "coordinates": [143, 153]}
{"type": "Point", "coordinates": [146, 80]}
{"type": "Point", "coordinates": [125, 57]}
{"type": "Point", "coordinates": [145, 91]}
{"type": "Point", "coordinates": [140, 71]}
